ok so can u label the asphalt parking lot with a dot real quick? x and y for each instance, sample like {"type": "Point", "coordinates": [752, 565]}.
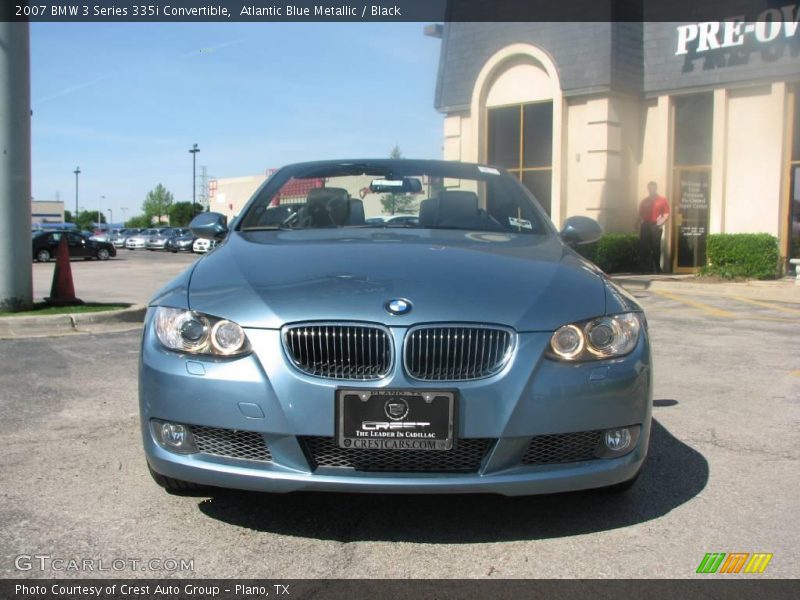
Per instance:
{"type": "Point", "coordinates": [722, 474]}
{"type": "Point", "coordinates": [132, 276]}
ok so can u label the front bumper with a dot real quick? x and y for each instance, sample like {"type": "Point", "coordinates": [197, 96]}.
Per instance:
{"type": "Point", "coordinates": [263, 393]}
{"type": "Point", "coordinates": [135, 244]}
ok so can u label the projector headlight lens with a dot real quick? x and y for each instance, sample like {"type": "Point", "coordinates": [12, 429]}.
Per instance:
{"type": "Point", "coordinates": [196, 333]}
{"type": "Point", "coordinates": [605, 337]}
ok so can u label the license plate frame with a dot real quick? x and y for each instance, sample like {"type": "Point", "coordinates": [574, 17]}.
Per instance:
{"type": "Point", "coordinates": [396, 419]}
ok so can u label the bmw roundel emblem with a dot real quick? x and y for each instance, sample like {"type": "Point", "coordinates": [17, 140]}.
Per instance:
{"type": "Point", "coordinates": [398, 306]}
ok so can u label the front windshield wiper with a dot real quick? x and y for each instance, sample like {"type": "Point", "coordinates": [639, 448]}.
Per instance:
{"type": "Point", "coordinates": [270, 228]}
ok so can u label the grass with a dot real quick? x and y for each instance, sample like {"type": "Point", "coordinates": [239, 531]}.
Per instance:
{"type": "Point", "coordinates": [43, 308]}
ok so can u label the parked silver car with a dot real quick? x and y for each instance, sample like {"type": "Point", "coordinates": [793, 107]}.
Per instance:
{"type": "Point", "coordinates": [118, 238]}
{"type": "Point", "coordinates": [139, 240]}
{"type": "Point", "coordinates": [159, 241]}
{"type": "Point", "coordinates": [471, 351]}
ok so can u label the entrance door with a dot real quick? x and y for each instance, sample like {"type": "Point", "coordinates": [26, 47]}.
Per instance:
{"type": "Point", "coordinates": [690, 214]}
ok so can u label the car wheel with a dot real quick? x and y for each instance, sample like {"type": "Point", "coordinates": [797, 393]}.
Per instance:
{"type": "Point", "coordinates": [176, 486]}
{"type": "Point", "coordinates": [102, 254]}
{"type": "Point", "coordinates": [43, 255]}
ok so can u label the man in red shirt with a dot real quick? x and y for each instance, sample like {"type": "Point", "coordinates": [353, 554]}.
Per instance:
{"type": "Point", "coordinates": [654, 212]}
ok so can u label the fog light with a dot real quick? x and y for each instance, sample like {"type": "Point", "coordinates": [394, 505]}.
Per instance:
{"type": "Point", "coordinates": [174, 436]}
{"type": "Point", "coordinates": [618, 440]}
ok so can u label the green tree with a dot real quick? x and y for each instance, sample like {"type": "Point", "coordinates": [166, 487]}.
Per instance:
{"type": "Point", "coordinates": [87, 218]}
{"type": "Point", "coordinates": [398, 203]}
{"type": "Point", "coordinates": [138, 221]}
{"type": "Point", "coordinates": [157, 202]}
{"type": "Point", "coordinates": [181, 213]}
{"type": "Point", "coordinates": [67, 216]}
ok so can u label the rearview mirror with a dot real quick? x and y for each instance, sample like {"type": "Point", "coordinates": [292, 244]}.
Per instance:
{"type": "Point", "coordinates": [210, 225]}
{"type": "Point", "coordinates": [581, 230]}
{"type": "Point", "coordinates": [406, 185]}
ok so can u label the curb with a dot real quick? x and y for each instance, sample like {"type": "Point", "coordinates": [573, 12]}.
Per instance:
{"type": "Point", "coordinates": [124, 319]}
{"type": "Point", "coordinates": [777, 291]}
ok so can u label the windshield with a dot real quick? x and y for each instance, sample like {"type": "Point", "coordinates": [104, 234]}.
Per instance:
{"type": "Point", "coordinates": [419, 195]}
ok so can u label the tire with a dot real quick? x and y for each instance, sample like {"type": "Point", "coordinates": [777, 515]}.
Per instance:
{"type": "Point", "coordinates": [176, 487]}
{"type": "Point", "coordinates": [103, 254]}
{"type": "Point", "coordinates": [43, 255]}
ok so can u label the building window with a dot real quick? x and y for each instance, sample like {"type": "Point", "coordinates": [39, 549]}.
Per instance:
{"type": "Point", "coordinates": [692, 137]}
{"type": "Point", "coordinates": [520, 139]}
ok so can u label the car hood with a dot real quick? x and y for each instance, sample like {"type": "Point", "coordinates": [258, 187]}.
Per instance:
{"type": "Point", "coordinates": [267, 279]}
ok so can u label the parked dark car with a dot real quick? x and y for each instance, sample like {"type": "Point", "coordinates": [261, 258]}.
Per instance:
{"type": "Point", "coordinates": [45, 246]}
{"type": "Point", "coordinates": [180, 243]}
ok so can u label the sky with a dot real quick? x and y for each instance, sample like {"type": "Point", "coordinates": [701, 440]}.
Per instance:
{"type": "Point", "coordinates": [125, 102]}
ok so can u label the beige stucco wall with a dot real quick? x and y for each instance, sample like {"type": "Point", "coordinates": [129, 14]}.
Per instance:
{"type": "Point", "coordinates": [602, 152]}
{"type": "Point", "coordinates": [233, 192]}
{"type": "Point", "coordinates": [595, 140]}
{"type": "Point", "coordinates": [43, 211]}
{"type": "Point", "coordinates": [754, 151]}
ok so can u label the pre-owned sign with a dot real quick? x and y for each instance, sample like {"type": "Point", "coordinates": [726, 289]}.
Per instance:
{"type": "Point", "coordinates": [712, 35]}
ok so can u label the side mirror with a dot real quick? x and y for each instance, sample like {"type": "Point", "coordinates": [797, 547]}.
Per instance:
{"type": "Point", "coordinates": [581, 230]}
{"type": "Point", "coordinates": [210, 225]}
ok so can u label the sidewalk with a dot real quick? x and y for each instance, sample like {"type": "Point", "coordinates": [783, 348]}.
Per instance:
{"type": "Point", "coordinates": [779, 290]}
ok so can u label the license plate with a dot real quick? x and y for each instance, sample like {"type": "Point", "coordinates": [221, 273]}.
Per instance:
{"type": "Point", "coordinates": [395, 419]}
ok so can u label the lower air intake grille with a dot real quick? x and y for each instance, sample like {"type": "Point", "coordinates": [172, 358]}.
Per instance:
{"type": "Point", "coordinates": [231, 443]}
{"type": "Point", "coordinates": [466, 457]}
{"type": "Point", "coordinates": [562, 448]}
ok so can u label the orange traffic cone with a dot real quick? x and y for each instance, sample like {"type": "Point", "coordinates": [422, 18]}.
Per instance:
{"type": "Point", "coordinates": [63, 291]}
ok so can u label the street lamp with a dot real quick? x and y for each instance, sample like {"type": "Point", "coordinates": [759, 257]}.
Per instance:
{"type": "Point", "coordinates": [100, 213]}
{"type": "Point", "coordinates": [110, 217]}
{"type": "Point", "coordinates": [77, 172]}
{"type": "Point", "coordinates": [124, 210]}
{"type": "Point", "coordinates": [193, 151]}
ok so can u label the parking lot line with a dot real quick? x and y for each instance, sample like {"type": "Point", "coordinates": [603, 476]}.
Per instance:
{"type": "Point", "coordinates": [786, 309]}
{"type": "Point", "coordinates": [717, 312]}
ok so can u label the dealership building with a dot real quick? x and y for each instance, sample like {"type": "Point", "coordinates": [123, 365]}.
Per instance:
{"type": "Point", "coordinates": [586, 114]}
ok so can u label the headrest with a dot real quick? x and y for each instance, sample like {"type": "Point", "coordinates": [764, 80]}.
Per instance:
{"type": "Point", "coordinates": [457, 204]}
{"type": "Point", "coordinates": [327, 206]}
{"type": "Point", "coordinates": [356, 216]}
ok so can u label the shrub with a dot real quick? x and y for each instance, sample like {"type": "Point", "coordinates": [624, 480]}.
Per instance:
{"type": "Point", "coordinates": [752, 255]}
{"type": "Point", "coordinates": [614, 252]}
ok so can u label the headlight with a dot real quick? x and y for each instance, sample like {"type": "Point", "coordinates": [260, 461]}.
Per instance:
{"type": "Point", "coordinates": [604, 337]}
{"type": "Point", "coordinates": [196, 333]}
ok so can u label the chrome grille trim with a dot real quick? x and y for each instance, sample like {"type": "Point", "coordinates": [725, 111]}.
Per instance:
{"type": "Point", "coordinates": [457, 351]}
{"type": "Point", "coordinates": [340, 350]}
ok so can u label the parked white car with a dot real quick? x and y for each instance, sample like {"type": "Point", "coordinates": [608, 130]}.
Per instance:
{"type": "Point", "coordinates": [202, 245]}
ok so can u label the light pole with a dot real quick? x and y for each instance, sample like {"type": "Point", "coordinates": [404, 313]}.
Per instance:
{"type": "Point", "coordinates": [100, 213]}
{"type": "Point", "coordinates": [110, 217]}
{"type": "Point", "coordinates": [193, 151]}
{"type": "Point", "coordinates": [77, 172]}
{"type": "Point", "coordinates": [124, 210]}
